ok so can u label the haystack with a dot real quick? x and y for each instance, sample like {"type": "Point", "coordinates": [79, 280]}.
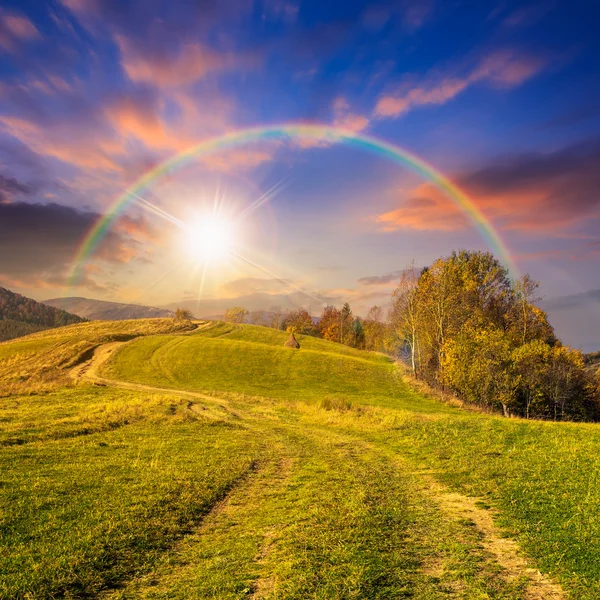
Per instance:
{"type": "Point", "coordinates": [292, 342]}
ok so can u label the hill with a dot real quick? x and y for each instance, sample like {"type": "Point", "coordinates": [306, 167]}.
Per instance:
{"type": "Point", "coordinates": [101, 310]}
{"type": "Point", "coordinates": [20, 316]}
{"type": "Point", "coordinates": [217, 462]}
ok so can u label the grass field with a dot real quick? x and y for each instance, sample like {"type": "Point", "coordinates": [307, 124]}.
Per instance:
{"type": "Point", "coordinates": [232, 467]}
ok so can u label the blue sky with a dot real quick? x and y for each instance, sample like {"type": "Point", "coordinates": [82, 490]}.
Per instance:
{"type": "Point", "coordinates": [499, 96]}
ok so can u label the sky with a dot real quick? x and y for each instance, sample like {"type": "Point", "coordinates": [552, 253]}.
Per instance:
{"type": "Point", "coordinates": [500, 97]}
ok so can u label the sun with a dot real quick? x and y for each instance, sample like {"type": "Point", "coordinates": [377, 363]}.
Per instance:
{"type": "Point", "coordinates": [211, 238]}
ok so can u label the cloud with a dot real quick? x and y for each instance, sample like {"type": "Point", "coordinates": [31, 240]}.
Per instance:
{"type": "Point", "coordinates": [544, 193]}
{"type": "Point", "coordinates": [380, 279]}
{"type": "Point", "coordinates": [252, 285]}
{"type": "Point", "coordinates": [572, 301]}
{"type": "Point", "coordinates": [427, 209]}
{"type": "Point", "coordinates": [10, 187]}
{"type": "Point", "coordinates": [344, 118]}
{"type": "Point", "coordinates": [57, 142]}
{"type": "Point", "coordinates": [188, 64]}
{"type": "Point", "coordinates": [38, 243]}
{"type": "Point", "coordinates": [15, 29]}
{"type": "Point", "coordinates": [504, 69]}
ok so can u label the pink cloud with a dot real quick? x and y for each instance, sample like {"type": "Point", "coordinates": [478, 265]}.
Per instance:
{"type": "Point", "coordinates": [501, 69]}
{"type": "Point", "coordinates": [192, 62]}
{"type": "Point", "coordinates": [548, 194]}
{"type": "Point", "coordinates": [15, 28]}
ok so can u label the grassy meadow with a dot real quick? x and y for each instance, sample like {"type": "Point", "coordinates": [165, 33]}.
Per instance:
{"type": "Point", "coordinates": [256, 471]}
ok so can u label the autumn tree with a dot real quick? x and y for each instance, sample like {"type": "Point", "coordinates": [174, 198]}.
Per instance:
{"type": "Point", "coordinates": [405, 314]}
{"type": "Point", "coordinates": [374, 329]}
{"type": "Point", "coordinates": [477, 366]}
{"type": "Point", "coordinates": [329, 323]}
{"type": "Point", "coordinates": [258, 317]}
{"type": "Point", "coordinates": [525, 321]}
{"type": "Point", "coordinates": [275, 317]}
{"type": "Point", "coordinates": [236, 314]}
{"type": "Point", "coordinates": [299, 321]}
{"type": "Point", "coordinates": [182, 314]}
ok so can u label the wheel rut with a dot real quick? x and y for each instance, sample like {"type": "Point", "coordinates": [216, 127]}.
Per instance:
{"type": "Point", "coordinates": [454, 505]}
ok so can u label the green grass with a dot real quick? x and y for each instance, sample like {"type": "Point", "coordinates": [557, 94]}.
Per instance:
{"type": "Point", "coordinates": [298, 477]}
{"type": "Point", "coordinates": [252, 360]}
{"type": "Point", "coordinates": [84, 511]}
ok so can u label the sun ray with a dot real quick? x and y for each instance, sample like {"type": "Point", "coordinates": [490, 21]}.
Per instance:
{"type": "Point", "coordinates": [274, 276]}
{"type": "Point", "coordinates": [263, 199]}
{"type": "Point", "coordinates": [146, 204]}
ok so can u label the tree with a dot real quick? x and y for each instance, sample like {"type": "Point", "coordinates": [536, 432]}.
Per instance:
{"type": "Point", "coordinates": [329, 324]}
{"type": "Point", "coordinates": [345, 322]}
{"type": "Point", "coordinates": [182, 314]}
{"type": "Point", "coordinates": [275, 317]}
{"type": "Point", "coordinates": [404, 314]}
{"type": "Point", "coordinates": [235, 314]}
{"type": "Point", "coordinates": [374, 329]}
{"type": "Point", "coordinates": [299, 321]}
{"type": "Point", "coordinates": [526, 321]}
{"type": "Point", "coordinates": [357, 334]}
{"type": "Point", "coordinates": [476, 365]}
{"type": "Point", "coordinates": [258, 317]}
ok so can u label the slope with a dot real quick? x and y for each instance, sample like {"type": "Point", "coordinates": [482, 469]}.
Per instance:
{"type": "Point", "coordinates": [101, 310]}
{"type": "Point", "coordinates": [20, 315]}
{"type": "Point", "coordinates": [199, 465]}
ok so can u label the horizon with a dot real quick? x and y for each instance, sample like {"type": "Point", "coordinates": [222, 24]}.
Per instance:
{"type": "Point", "coordinates": [493, 97]}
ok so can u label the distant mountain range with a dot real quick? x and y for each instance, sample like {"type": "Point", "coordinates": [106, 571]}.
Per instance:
{"type": "Point", "coordinates": [215, 307]}
{"type": "Point", "coordinates": [20, 316]}
{"type": "Point", "coordinates": [101, 310]}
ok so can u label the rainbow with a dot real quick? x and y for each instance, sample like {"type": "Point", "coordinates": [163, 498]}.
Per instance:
{"type": "Point", "coordinates": [320, 134]}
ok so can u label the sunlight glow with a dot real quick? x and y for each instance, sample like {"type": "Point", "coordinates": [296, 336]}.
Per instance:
{"type": "Point", "coordinates": [211, 238]}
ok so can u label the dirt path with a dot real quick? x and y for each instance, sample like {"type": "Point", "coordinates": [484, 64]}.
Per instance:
{"type": "Point", "coordinates": [454, 506]}
{"type": "Point", "coordinates": [89, 371]}
{"type": "Point", "coordinates": [504, 550]}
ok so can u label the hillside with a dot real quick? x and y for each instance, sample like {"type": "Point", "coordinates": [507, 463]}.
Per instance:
{"type": "Point", "coordinates": [20, 316]}
{"type": "Point", "coordinates": [101, 310]}
{"type": "Point", "coordinates": [218, 463]}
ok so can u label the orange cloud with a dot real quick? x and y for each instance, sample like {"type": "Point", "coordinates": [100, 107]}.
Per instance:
{"type": "Point", "coordinates": [502, 69]}
{"type": "Point", "coordinates": [129, 118]}
{"type": "Point", "coordinates": [192, 62]}
{"type": "Point", "coordinates": [427, 209]}
{"type": "Point", "coordinates": [543, 193]}
{"type": "Point", "coordinates": [73, 150]}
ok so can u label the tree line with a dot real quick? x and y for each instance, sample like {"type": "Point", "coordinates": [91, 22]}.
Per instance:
{"type": "Point", "coordinates": [464, 325]}
{"type": "Point", "coordinates": [20, 316]}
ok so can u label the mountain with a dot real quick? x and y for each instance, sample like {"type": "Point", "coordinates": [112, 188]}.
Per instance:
{"type": "Point", "coordinates": [20, 316]}
{"type": "Point", "coordinates": [259, 301]}
{"type": "Point", "coordinates": [101, 310]}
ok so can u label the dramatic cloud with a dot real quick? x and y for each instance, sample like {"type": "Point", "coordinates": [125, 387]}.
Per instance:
{"type": "Point", "coordinates": [10, 187]}
{"type": "Point", "coordinates": [545, 193]}
{"type": "Point", "coordinates": [503, 69]}
{"type": "Point", "coordinates": [38, 243]}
